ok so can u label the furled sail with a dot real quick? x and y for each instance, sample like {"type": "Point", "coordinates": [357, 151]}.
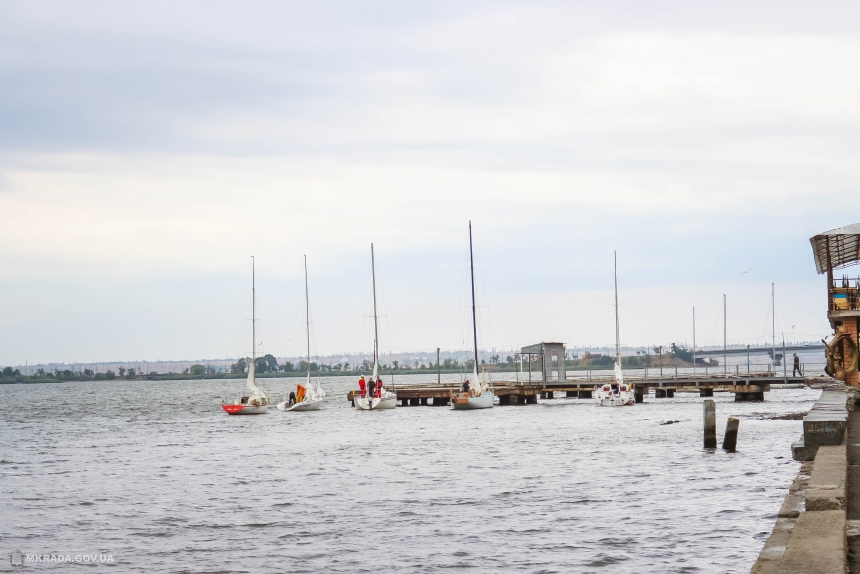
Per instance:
{"type": "Point", "coordinates": [251, 381]}
{"type": "Point", "coordinates": [619, 376]}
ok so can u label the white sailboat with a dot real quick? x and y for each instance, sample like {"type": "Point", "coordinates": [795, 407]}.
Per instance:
{"type": "Point", "coordinates": [473, 395]}
{"type": "Point", "coordinates": [618, 393]}
{"type": "Point", "coordinates": [307, 398]}
{"type": "Point", "coordinates": [379, 399]}
{"type": "Point", "coordinates": [257, 402]}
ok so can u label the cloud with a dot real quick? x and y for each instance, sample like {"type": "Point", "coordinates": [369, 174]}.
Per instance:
{"type": "Point", "coordinates": [179, 139]}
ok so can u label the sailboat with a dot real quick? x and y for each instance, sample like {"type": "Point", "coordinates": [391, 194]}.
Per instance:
{"type": "Point", "coordinates": [384, 399]}
{"type": "Point", "coordinates": [307, 397]}
{"type": "Point", "coordinates": [618, 393]}
{"type": "Point", "coordinates": [257, 402]}
{"type": "Point", "coordinates": [473, 395]}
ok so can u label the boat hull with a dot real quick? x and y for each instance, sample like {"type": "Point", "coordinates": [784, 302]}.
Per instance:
{"type": "Point", "coordinates": [375, 403]}
{"type": "Point", "coordinates": [306, 406]}
{"type": "Point", "coordinates": [245, 409]}
{"type": "Point", "coordinates": [463, 403]}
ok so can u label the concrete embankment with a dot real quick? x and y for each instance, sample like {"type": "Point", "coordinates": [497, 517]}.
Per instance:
{"type": "Point", "coordinates": [810, 531]}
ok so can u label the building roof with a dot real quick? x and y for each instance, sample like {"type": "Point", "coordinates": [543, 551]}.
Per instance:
{"type": "Point", "coordinates": [841, 244]}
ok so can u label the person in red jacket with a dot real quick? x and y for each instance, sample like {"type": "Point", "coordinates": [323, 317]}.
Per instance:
{"type": "Point", "coordinates": [378, 388]}
{"type": "Point", "coordinates": [362, 386]}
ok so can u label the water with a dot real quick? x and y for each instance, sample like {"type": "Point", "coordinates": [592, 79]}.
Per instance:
{"type": "Point", "coordinates": [158, 476]}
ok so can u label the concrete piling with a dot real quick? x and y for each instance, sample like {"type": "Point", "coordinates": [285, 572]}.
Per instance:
{"type": "Point", "coordinates": [660, 393]}
{"type": "Point", "coordinates": [730, 440]}
{"type": "Point", "coordinates": [706, 392]}
{"type": "Point", "coordinates": [670, 393]}
{"type": "Point", "coordinates": [710, 418]}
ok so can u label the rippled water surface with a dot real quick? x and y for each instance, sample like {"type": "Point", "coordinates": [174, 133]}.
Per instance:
{"type": "Point", "coordinates": [157, 475]}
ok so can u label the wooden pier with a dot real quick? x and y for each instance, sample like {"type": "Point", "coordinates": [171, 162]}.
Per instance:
{"type": "Point", "coordinates": [750, 387]}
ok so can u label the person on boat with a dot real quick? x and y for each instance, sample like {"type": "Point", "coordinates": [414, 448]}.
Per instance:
{"type": "Point", "coordinates": [372, 387]}
{"type": "Point", "coordinates": [378, 388]}
{"type": "Point", "coordinates": [466, 386]}
{"type": "Point", "coordinates": [292, 399]}
{"type": "Point", "coordinates": [362, 386]}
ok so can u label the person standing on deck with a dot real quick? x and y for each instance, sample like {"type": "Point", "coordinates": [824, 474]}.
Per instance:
{"type": "Point", "coordinates": [372, 387]}
{"type": "Point", "coordinates": [379, 387]}
{"type": "Point", "coordinates": [362, 386]}
{"type": "Point", "coordinates": [796, 366]}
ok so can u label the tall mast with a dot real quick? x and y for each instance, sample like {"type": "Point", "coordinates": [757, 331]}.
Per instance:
{"type": "Point", "coordinates": [474, 320]}
{"type": "Point", "coordinates": [307, 317]}
{"type": "Point", "coordinates": [773, 325]}
{"type": "Point", "coordinates": [725, 333]}
{"type": "Point", "coordinates": [617, 329]}
{"type": "Point", "coordinates": [253, 317]}
{"type": "Point", "coordinates": [375, 322]}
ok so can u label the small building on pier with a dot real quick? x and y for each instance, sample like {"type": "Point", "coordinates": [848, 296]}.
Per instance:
{"type": "Point", "coordinates": [839, 249]}
{"type": "Point", "coordinates": [551, 357]}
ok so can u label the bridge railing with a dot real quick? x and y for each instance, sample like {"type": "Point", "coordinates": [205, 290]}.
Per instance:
{"type": "Point", "coordinates": [806, 369]}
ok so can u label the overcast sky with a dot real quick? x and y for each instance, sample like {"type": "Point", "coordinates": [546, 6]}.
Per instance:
{"type": "Point", "coordinates": [148, 149]}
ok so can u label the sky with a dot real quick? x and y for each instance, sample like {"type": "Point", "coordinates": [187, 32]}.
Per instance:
{"type": "Point", "coordinates": [149, 149]}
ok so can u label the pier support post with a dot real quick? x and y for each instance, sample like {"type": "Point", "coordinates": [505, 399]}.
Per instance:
{"type": "Point", "coordinates": [710, 419]}
{"type": "Point", "coordinates": [440, 401]}
{"type": "Point", "coordinates": [530, 399]}
{"type": "Point", "coordinates": [585, 394]}
{"type": "Point", "coordinates": [572, 394]}
{"type": "Point", "coordinates": [404, 402]}
{"type": "Point", "coordinates": [706, 392]}
{"type": "Point", "coordinates": [639, 394]}
{"type": "Point", "coordinates": [730, 440]}
{"type": "Point", "coordinates": [414, 402]}
{"type": "Point", "coordinates": [670, 393]}
{"type": "Point", "coordinates": [504, 400]}
{"type": "Point", "coordinates": [660, 393]}
{"type": "Point", "coordinates": [749, 397]}
{"type": "Point", "coordinates": [424, 402]}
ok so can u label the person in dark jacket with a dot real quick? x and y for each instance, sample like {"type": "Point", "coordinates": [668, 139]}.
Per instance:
{"type": "Point", "coordinates": [372, 387]}
{"type": "Point", "coordinates": [796, 366]}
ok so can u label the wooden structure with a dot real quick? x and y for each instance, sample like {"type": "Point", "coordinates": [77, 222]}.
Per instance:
{"type": "Point", "coordinates": [838, 249]}
{"type": "Point", "coordinates": [750, 387]}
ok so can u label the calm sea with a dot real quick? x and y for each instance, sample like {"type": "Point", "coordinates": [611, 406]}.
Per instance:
{"type": "Point", "coordinates": [159, 477]}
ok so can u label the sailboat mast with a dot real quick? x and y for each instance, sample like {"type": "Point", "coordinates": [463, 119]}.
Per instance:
{"type": "Point", "coordinates": [253, 316]}
{"type": "Point", "coordinates": [375, 322]}
{"type": "Point", "coordinates": [617, 329]}
{"type": "Point", "coordinates": [307, 317]}
{"type": "Point", "coordinates": [474, 320]}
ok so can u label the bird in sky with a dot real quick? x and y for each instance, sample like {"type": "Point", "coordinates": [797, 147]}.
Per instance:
{"type": "Point", "coordinates": [747, 271]}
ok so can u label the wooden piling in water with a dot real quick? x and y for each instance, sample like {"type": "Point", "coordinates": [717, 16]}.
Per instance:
{"type": "Point", "coordinates": [730, 440]}
{"type": "Point", "coordinates": [710, 420]}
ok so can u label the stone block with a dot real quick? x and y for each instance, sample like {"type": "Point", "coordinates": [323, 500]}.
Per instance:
{"type": "Point", "coordinates": [803, 452]}
{"type": "Point", "coordinates": [817, 544]}
{"type": "Point", "coordinates": [826, 489]}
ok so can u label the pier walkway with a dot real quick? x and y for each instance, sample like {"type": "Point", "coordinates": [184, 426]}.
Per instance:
{"type": "Point", "coordinates": [750, 387]}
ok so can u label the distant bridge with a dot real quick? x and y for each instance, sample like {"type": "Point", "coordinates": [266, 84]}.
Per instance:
{"type": "Point", "coordinates": [761, 350]}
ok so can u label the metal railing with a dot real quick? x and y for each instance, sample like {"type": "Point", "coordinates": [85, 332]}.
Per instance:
{"type": "Point", "coordinates": [786, 370]}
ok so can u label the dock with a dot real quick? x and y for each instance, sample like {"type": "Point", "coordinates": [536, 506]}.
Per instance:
{"type": "Point", "coordinates": [751, 387]}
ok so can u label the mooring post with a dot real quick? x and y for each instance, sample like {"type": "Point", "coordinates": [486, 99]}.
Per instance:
{"type": "Point", "coordinates": [710, 415]}
{"type": "Point", "coordinates": [730, 441]}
